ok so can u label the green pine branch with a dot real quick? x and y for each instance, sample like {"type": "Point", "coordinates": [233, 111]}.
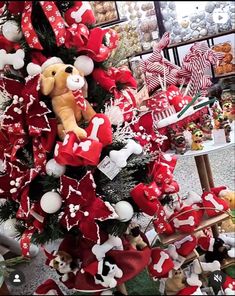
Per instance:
{"type": "Point", "coordinates": [8, 210]}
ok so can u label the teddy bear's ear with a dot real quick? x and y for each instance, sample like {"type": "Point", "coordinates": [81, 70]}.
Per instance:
{"type": "Point", "coordinates": [47, 85]}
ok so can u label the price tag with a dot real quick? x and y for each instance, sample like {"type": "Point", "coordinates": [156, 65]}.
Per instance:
{"type": "Point", "coordinates": [155, 35]}
{"type": "Point", "coordinates": [109, 168]}
{"type": "Point", "coordinates": [219, 136]}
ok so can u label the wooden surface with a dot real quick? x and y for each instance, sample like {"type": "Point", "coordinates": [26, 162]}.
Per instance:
{"type": "Point", "coordinates": [207, 222]}
{"type": "Point", "coordinates": [227, 263]}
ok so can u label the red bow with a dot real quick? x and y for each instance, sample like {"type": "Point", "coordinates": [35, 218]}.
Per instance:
{"type": "Point", "coordinates": [76, 36]}
{"type": "Point", "coordinates": [54, 17]}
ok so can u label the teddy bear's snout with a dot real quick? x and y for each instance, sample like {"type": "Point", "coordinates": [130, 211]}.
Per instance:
{"type": "Point", "coordinates": [69, 69]}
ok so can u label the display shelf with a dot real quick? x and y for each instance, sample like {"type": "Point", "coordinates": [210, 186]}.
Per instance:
{"type": "Point", "coordinates": [207, 222]}
{"type": "Point", "coordinates": [225, 75]}
{"type": "Point", "coordinates": [209, 146]}
{"type": "Point", "coordinates": [227, 263]}
{"type": "Point", "coordinates": [201, 39]}
{"type": "Point", "coordinates": [112, 23]}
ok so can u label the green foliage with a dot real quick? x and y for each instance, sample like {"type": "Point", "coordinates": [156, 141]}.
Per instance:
{"type": "Point", "coordinates": [114, 227]}
{"type": "Point", "coordinates": [52, 231]}
{"type": "Point", "coordinates": [8, 210]}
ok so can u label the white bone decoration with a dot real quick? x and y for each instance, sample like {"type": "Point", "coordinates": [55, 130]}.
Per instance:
{"type": "Point", "coordinates": [120, 157]}
{"type": "Point", "coordinates": [209, 197]}
{"type": "Point", "coordinates": [163, 257]}
{"type": "Point", "coordinates": [97, 122]}
{"type": "Point", "coordinates": [189, 221]}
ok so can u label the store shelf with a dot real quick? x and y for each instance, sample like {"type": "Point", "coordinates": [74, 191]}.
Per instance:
{"type": "Point", "coordinates": [207, 222]}
{"type": "Point", "coordinates": [201, 39]}
{"type": "Point", "coordinates": [225, 75]}
{"type": "Point", "coordinates": [227, 263]}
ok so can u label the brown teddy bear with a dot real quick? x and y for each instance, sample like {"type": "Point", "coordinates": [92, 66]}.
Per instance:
{"type": "Point", "coordinates": [62, 82]}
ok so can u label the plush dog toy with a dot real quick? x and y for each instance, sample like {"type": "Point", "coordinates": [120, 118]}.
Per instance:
{"type": "Point", "coordinates": [197, 136]}
{"type": "Point", "coordinates": [64, 84]}
{"type": "Point", "coordinates": [134, 237]}
{"type": "Point", "coordinates": [175, 282]}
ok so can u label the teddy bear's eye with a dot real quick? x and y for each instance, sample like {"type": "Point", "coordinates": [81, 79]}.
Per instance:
{"type": "Point", "coordinates": [53, 73]}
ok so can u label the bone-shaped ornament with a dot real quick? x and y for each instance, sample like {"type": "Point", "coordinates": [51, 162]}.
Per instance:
{"type": "Point", "coordinates": [209, 197]}
{"type": "Point", "coordinates": [77, 15]}
{"type": "Point", "coordinates": [120, 157]}
{"type": "Point", "coordinates": [189, 221]}
{"type": "Point", "coordinates": [158, 266]}
{"type": "Point", "coordinates": [179, 243]}
{"type": "Point", "coordinates": [97, 122]}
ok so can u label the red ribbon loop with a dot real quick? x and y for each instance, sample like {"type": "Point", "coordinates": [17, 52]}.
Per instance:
{"type": "Point", "coordinates": [54, 17]}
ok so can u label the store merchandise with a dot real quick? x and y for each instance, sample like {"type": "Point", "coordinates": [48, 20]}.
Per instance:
{"type": "Point", "coordinates": [189, 21]}
{"type": "Point", "coordinates": [83, 154]}
{"type": "Point", "coordinates": [227, 65]}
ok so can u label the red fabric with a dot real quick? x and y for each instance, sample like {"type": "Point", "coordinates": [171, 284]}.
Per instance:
{"type": "Point", "coordinates": [209, 200]}
{"type": "Point", "coordinates": [146, 197]}
{"type": "Point", "coordinates": [47, 286]}
{"type": "Point", "coordinates": [87, 16]}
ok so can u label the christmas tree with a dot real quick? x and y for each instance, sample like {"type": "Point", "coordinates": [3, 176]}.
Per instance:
{"type": "Point", "coordinates": [79, 159]}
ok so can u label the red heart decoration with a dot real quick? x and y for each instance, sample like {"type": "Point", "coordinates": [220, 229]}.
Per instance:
{"type": "Point", "coordinates": [212, 201]}
{"type": "Point", "coordinates": [161, 263]}
{"type": "Point", "coordinates": [179, 102]}
{"type": "Point", "coordinates": [171, 92]}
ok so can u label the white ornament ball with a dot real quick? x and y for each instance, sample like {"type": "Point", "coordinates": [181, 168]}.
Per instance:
{"type": "Point", "coordinates": [51, 202]}
{"type": "Point", "coordinates": [85, 64]}
{"type": "Point", "coordinates": [54, 169]}
{"type": "Point", "coordinates": [11, 32]}
{"type": "Point", "coordinates": [9, 227]}
{"type": "Point", "coordinates": [124, 210]}
{"type": "Point", "coordinates": [33, 69]}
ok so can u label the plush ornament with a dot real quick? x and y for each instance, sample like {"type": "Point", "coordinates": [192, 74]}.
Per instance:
{"type": "Point", "coordinates": [84, 64]}
{"type": "Point", "coordinates": [120, 157]}
{"type": "Point", "coordinates": [161, 224]}
{"type": "Point", "coordinates": [186, 245]}
{"type": "Point", "coordinates": [216, 249]}
{"type": "Point", "coordinates": [54, 169]}
{"type": "Point", "coordinates": [49, 287]}
{"type": "Point", "coordinates": [200, 267]}
{"type": "Point", "coordinates": [11, 32]}
{"type": "Point", "coordinates": [191, 290]}
{"type": "Point", "coordinates": [229, 240]}
{"type": "Point", "coordinates": [206, 243]}
{"type": "Point", "coordinates": [9, 227]}
{"type": "Point", "coordinates": [63, 263]}
{"type": "Point", "coordinates": [105, 272]}
{"type": "Point", "coordinates": [162, 173]}
{"type": "Point", "coordinates": [179, 102]}
{"type": "Point", "coordinates": [170, 188]}
{"type": "Point", "coordinates": [229, 285]}
{"type": "Point", "coordinates": [175, 282]}
{"type": "Point", "coordinates": [146, 197]}
{"type": "Point", "coordinates": [54, 83]}
{"type": "Point", "coordinates": [186, 220]}
{"type": "Point", "coordinates": [33, 69]}
{"type": "Point", "coordinates": [226, 194]}
{"type": "Point", "coordinates": [15, 59]}
{"type": "Point", "coordinates": [51, 202]}
{"type": "Point", "coordinates": [161, 263]}
{"type": "Point", "coordinates": [192, 198]}
{"type": "Point", "coordinates": [133, 235]}
{"type": "Point", "coordinates": [124, 210]}
{"type": "Point", "coordinates": [113, 242]}
{"type": "Point", "coordinates": [81, 12]}
{"type": "Point", "coordinates": [212, 201]}
{"type": "Point", "coordinates": [15, 7]}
